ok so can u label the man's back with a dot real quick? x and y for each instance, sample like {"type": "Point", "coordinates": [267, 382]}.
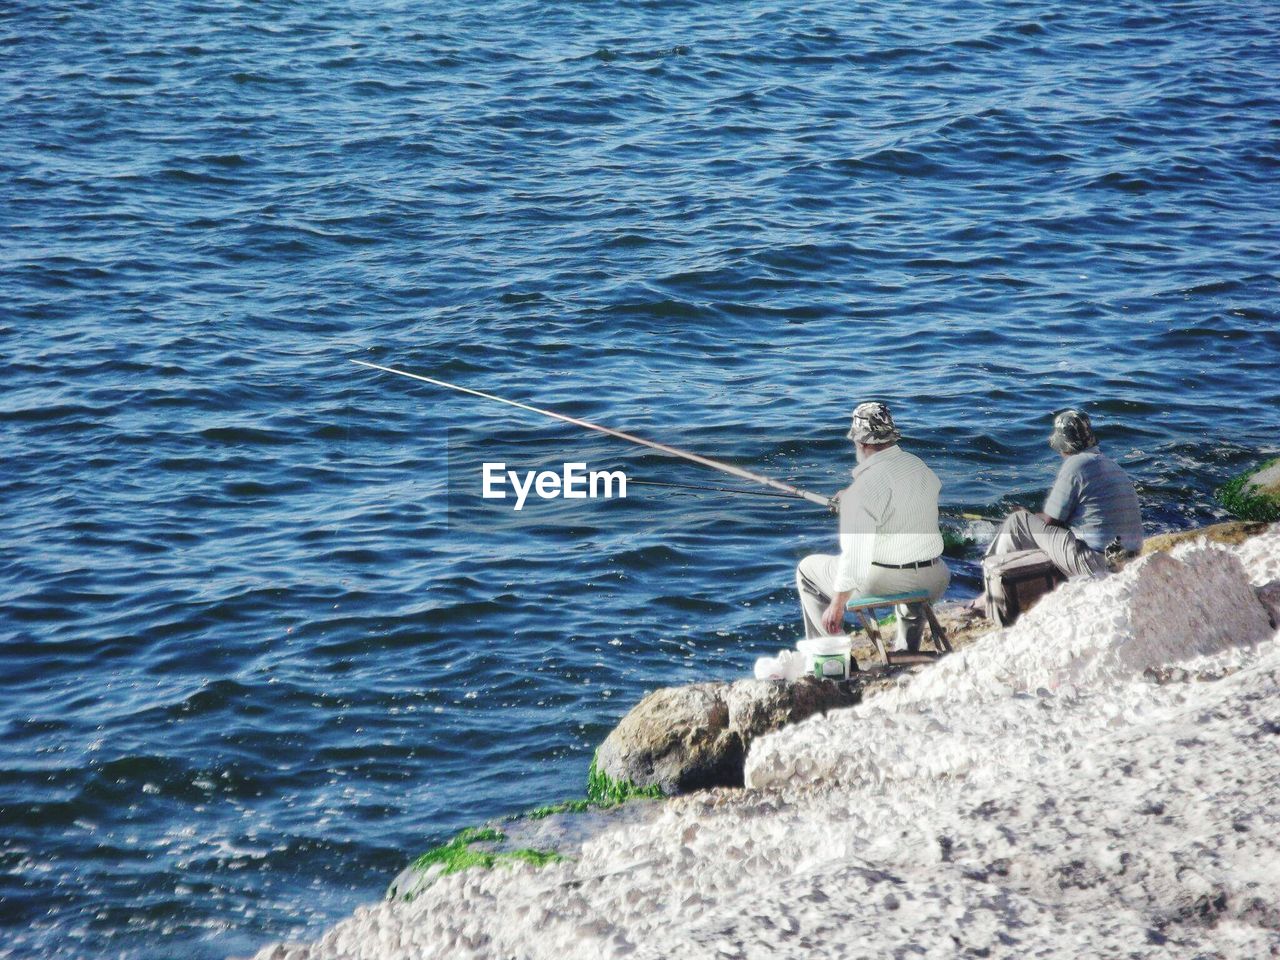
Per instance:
{"type": "Point", "coordinates": [896, 495]}
{"type": "Point", "coordinates": [1095, 498]}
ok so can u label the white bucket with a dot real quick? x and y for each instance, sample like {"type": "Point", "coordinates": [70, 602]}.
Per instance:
{"type": "Point", "coordinates": [828, 657]}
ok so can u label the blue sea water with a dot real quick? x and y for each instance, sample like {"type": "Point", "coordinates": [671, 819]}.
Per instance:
{"type": "Point", "coordinates": [250, 659]}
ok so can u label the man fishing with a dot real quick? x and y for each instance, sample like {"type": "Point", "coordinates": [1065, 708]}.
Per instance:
{"type": "Point", "coordinates": [1092, 505]}
{"type": "Point", "coordinates": [889, 537]}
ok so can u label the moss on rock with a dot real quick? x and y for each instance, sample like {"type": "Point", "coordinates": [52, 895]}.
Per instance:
{"type": "Point", "coordinates": [604, 791]}
{"type": "Point", "coordinates": [554, 809]}
{"type": "Point", "coordinates": [1254, 495]}
{"type": "Point", "coordinates": [460, 853]}
{"type": "Point", "coordinates": [487, 847]}
{"type": "Point", "coordinates": [955, 544]}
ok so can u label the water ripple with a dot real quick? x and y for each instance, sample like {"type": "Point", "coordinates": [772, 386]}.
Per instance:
{"type": "Point", "coordinates": [252, 659]}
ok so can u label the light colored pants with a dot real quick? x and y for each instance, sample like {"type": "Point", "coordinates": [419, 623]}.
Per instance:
{"type": "Point", "coordinates": [1023, 530]}
{"type": "Point", "coordinates": [815, 582]}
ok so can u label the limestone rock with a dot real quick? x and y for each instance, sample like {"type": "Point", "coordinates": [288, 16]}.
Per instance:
{"type": "Point", "coordinates": [689, 738]}
{"type": "Point", "coordinates": [1168, 619]}
{"type": "Point", "coordinates": [677, 738]}
{"type": "Point", "coordinates": [1229, 533]}
{"type": "Point", "coordinates": [1270, 597]}
{"type": "Point", "coordinates": [761, 706]}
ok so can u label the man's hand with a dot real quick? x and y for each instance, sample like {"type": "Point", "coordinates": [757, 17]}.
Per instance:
{"type": "Point", "coordinates": [1048, 520]}
{"type": "Point", "coordinates": [833, 616]}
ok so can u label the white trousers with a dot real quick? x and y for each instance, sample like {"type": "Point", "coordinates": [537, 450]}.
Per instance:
{"type": "Point", "coordinates": [815, 583]}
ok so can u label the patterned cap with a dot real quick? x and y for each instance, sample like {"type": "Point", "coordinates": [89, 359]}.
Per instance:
{"type": "Point", "coordinates": [1072, 432]}
{"type": "Point", "coordinates": [873, 424]}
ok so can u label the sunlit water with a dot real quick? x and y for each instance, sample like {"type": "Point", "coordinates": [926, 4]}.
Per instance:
{"type": "Point", "coordinates": [251, 662]}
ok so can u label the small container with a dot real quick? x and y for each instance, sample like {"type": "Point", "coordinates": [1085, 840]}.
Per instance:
{"type": "Point", "coordinates": [828, 657]}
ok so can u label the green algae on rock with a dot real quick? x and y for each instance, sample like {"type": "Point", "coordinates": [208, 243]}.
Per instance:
{"type": "Point", "coordinates": [464, 852]}
{"type": "Point", "coordinates": [1255, 494]}
{"type": "Point", "coordinates": [955, 544]}
{"type": "Point", "coordinates": [461, 852]}
{"type": "Point", "coordinates": [487, 846]}
{"type": "Point", "coordinates": [580, 805]}
{"type": "Point", "coordinates": [604, 791]}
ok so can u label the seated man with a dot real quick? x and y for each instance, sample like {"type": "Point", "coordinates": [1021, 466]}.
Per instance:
{"type": "Point", "coordinates": [1092, 504]}
{"type": "Point", "coordinates": [889, 536]}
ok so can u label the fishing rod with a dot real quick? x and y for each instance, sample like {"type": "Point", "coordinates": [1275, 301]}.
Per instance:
{"type": "Point", "coordinates": [779, 489]}
{"type": "Point", "coordinates": [784, 488]}
{"type": "Point", "coordinates": [954, 514]}
{"type": "Point", "coordinates": [701, 486]}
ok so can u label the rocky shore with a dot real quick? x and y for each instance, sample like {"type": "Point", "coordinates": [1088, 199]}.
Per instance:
{"type": "Point", "coordinates": [680, 739]}
{"type": "Point", "coordinates": [1098, 779]}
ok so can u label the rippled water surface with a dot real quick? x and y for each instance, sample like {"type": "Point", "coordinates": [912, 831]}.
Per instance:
{"type": "Point", "coordinates": [251, 663]}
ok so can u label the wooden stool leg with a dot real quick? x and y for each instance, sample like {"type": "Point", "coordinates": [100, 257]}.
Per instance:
{"type": "Point", "coordinates": [872, 626]}
{"type": "Point", "coordinates": [940, 641]}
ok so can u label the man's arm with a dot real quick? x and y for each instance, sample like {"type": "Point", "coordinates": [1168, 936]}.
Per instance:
{"type": "Point", "coordinates": [1061, 503]}
{"type": "Point", "coordinates": [857, 545]}
{"type": "Point", "coordinates": [833, 616]}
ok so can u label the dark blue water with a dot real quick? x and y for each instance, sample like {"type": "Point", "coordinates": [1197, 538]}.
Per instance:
{"type": "Point", "coordinates": [251, 662]}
